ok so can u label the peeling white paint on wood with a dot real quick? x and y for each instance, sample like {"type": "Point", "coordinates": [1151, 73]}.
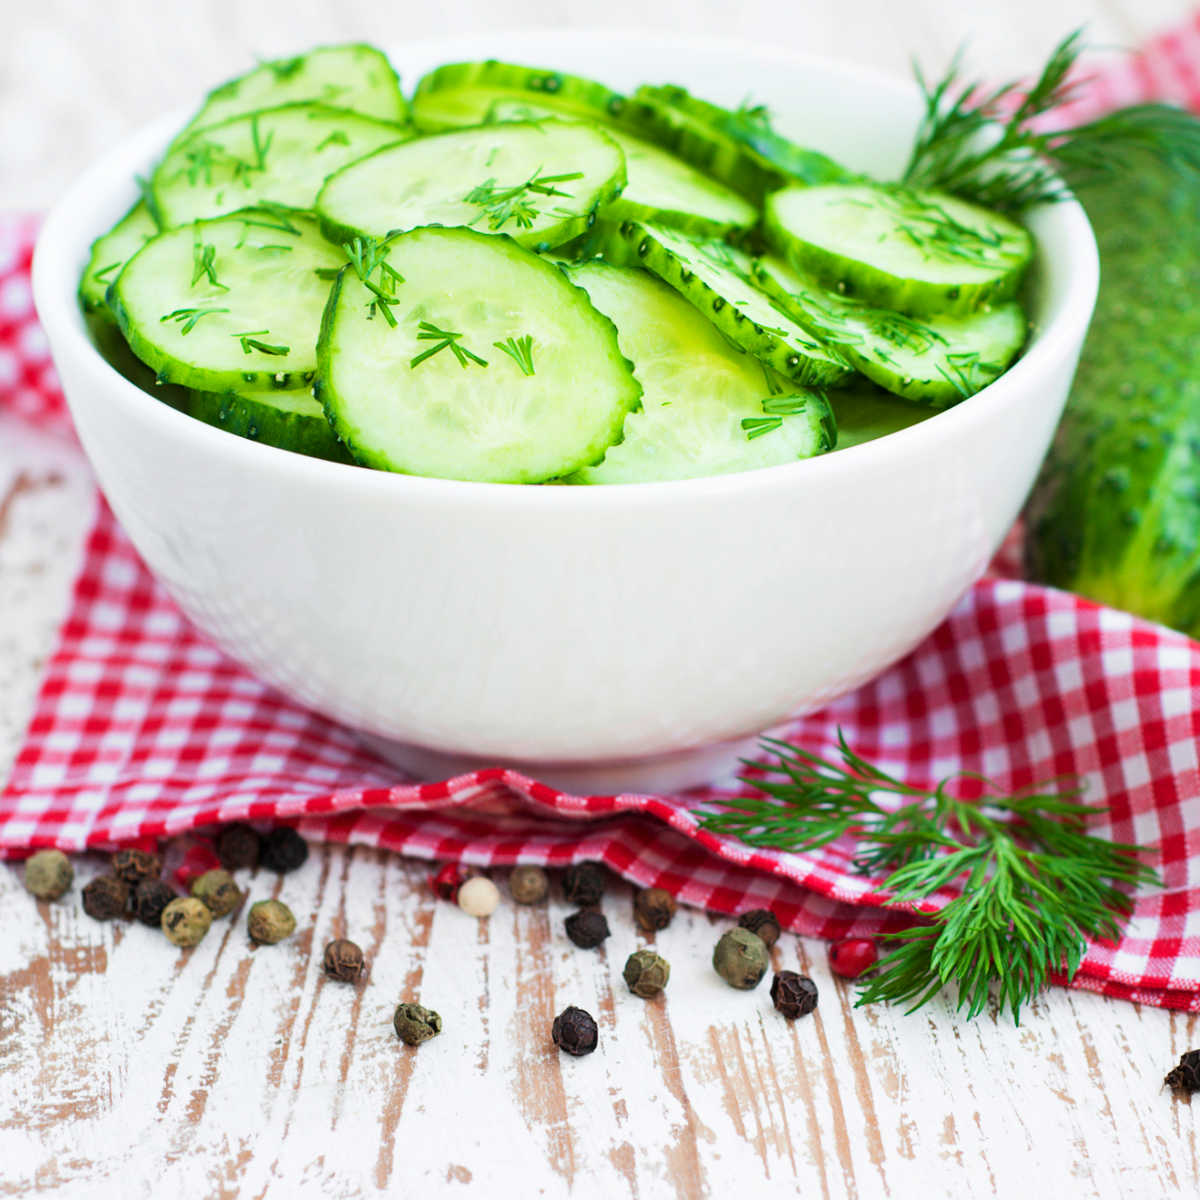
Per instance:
{"type": "Point", "coordinates": [129, 1069]}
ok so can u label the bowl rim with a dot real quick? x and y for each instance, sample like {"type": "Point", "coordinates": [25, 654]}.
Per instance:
{"type": "Point", "coordinates": [55, 284]}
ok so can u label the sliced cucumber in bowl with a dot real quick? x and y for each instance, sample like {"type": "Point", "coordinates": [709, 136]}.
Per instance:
{"type": "Point", "coordinates": [707, 408]}
{"type": "Point", "coordinates": [540, 182]}
{"type": "Point", "coordinates": [425, 372]}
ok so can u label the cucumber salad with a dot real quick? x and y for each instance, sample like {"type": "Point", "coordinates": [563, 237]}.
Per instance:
{"type": "Point", "coordinates": [521, 276]}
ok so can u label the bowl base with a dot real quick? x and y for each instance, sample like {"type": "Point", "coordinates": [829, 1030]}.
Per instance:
{"type": "Point", "coordinates": [716, 762]}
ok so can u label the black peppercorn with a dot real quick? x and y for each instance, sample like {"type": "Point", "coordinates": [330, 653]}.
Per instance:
{"type": "Point", "coordinates": [343, 961]}
{"type": "Point", "coordinates": [106, 898]}
{"type": "Point", "coordinates": [1186, 1076]}
{"type": "Point", "coordinates": [238, 846]}
{"type": "Point", "coordinates": [793, 994]}
{"type": "Point", "coordinates": [135, 865]}
{"type": "Point", "coordinates": [587, 928]}
{"type": "Point", "coordinates": [653, 909]}
{"type": "Point", "coordinates": [574, 1031]}
{"type": "Point", "coordinates": [583, 883]}
{"type": "Point", "coordinates": [740, 958]}
{"type": "Point", "coordinates": [150, 897]}
{"type": "Point", "coordinates": [283, 850]}
{"type": "Point", "coordinates": [763, 922]}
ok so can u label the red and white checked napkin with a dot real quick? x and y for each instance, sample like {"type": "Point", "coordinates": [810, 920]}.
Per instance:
{"type": "Point", "coordinates": [142, 729]}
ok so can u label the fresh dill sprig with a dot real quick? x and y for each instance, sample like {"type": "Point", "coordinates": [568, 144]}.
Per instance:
{"type": "Point", "coordinates": [250, 341]}
{"type": "Point", "coordinates": [755, 427]}
{"type": "Point", "coordinates": [1034, 884]}
{"type": "Point", "coordinates": [188, 317]}
{"type": "Point", "coordinates": [520, 350]}
{"type": "Point", "coordinates": [99, 276]}
{"type": "Point", "coordinates": [368, 255]}
{"type": "Point", "coordinates": [446, 339]}
{"type": "Point", "coordinates": [992, 146]}
{"type": "Point", "coordinates": [503, 204]}
{"type": "Point", "coordinates": [339, 137]}
{"type": "Point", "coordinates": [204, 262]}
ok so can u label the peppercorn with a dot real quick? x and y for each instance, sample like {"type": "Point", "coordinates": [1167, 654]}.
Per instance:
{"type": "Point", "coordinates": [479, 897]}
{"type": "Point", "coordinates": [185, 921]}
{"type": "Point", "coordinates": [48, 874]}
{"type": "Point", "coordinates": [1186, 1076]}
{"type": "Point", "coordinates": [239, 846]}
{"type": "Point", "coordinates": [793, 994]}
{"type": "Point", "coordinates": [528, 885]}
{"type": "Point", "coordinates": [740, 958]}
{"type": "Point", "coordinates": [218, 891]}
{"type": "Point", "coordinates": [587, 928]}
{"type": "Point", "coordinates": [446, 882]}
{"type": "Point", "coordinates": [343, 961]}
{"type": "Point", "coordinates": [270, 921]}
{"type": "Point", "coordinates": [414, 1024]}
{"type": "Point", "coordinates": [583, 883]}
{"type": "Point", "coordinates": [653, 909]}
{"type": "Point", "coordinates": [135, 865]}
{"type": "Point", "coordinates": [106, 898]}
{"type": "Point", "coordinates": [763, 922]}
{"type": "Point", "coordinates": [150, 897]}
{"type": "Point", "coordinates": [574, 1031]}
{"type": "Point", "coordinates": [851, 957]}
{"type": "Point", "coordinates": [646, 973]}
{"type": "Point", "coordinates": [283, 850]}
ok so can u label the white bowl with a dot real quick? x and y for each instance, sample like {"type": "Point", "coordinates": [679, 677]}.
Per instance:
{"type": "Point", "coordinates": [604, 638]}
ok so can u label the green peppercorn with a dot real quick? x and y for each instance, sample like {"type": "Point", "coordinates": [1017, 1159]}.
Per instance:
{"type": "Point", "coordinates": [185, 921]}
{"type": "Point", "coordinates": [217, 889]}
{"type": "Point", "coordinates": [528, 885]}
{"type": "Point", "coordinates": [414, 1024]}
{"type": "Point", "coordinates": [646, 973]}
{"type": "Point", "coordinates": [270, 921]}
{"type": "Point", "coordinates": [740, 958]}
{"type": "Point", "coordinates": [48, 874]}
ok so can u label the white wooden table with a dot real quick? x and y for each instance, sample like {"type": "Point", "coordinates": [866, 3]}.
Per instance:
{"type": "Point", "coordinates": [129, 1070]}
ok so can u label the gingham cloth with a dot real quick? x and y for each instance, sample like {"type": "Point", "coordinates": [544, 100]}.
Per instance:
{"type": "Point", "coordinates": [143, 730]}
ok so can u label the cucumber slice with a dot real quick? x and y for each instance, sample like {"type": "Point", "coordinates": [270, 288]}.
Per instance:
{"type": "Point", "coordinates": [289, 420]}
{"type": "Point", "coordinates": [540, 182]}
{"type": "Point", "coordinates": [749, 128]}
{"type": "Point", "coordinates": [276, 155]}
{"type": "Point", "coordinates": [937, 360]}
{"type": "Point", "coordinates": [914, 252]}
{"type": "Point", "coordinates": [490, 365]}
{"type": "Point", "coordinates": [865, 412]}
{"type": "Point", "coordinates": [352, 76]}
{"type": "Point", "coordinates": [110, 252]}
{"type": "Point", "coordinates": [707, 409]}
{"type": "Point", "coordinates": [660, 188]}
{"type": "Point", "coordinates": [715, 278]}
{"type": "Point", "coordinates": [459, 94]}
{"type": "Point", "coordinates": [236, 301]}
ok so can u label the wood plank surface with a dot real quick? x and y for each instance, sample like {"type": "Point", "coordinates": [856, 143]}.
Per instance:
{"type": "Point", "coordinates": [129, 1069]}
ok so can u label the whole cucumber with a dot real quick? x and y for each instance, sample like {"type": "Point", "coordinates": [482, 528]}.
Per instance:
{"type": "Point", "coordinates": [1115, 513]}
